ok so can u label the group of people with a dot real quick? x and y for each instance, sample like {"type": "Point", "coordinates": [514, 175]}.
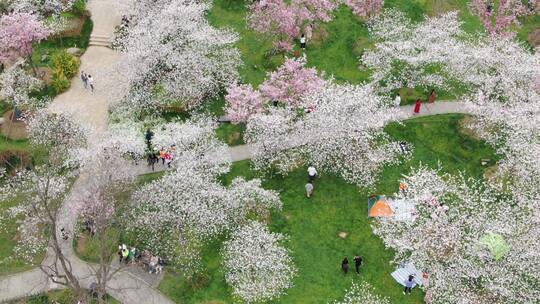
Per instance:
{"type": "Point", "coordinates": [154, 263]}
{"type": "Point", "coordinates": [166, 155]}
{"type": "Point", "coordinates": [357, 264]}
{"type": "Point", "coordinates": [312, 174]}
{"type": "Point", "coordinates": [88, 81]}
{"type": "Point", "coordinates": [417, 105]}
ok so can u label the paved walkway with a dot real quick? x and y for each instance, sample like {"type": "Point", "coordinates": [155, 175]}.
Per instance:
{"type": "Point", "coordinates": [91, 110]}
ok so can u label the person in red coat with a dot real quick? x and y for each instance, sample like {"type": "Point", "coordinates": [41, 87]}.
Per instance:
{"type": "Point", "coordinates": [417, 106]}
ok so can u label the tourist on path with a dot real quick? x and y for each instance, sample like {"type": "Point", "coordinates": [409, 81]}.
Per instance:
{"type": "Point", "coordinates": [345, 265]}
{"type": "Point", "coordinates": [90, 81]}
{"type": "Point", "coordinates": [84, 79]}
{"type": "Point", "coordinates": [357, 263]}
{"type": "Point", "coordinates": [309, 189]}
{"type": "Point", "coordinates": [312, 173]}
{"type": "Point", "coordinates": [417, 106]}
{"type": "Point", "coordinates": [432, 96]}
{"type": "Point", "coordinates": [409, 283]}
{"type": "Point", "coordinates": [397, 101]}
{"type": "Point", "coordinates": [303, 42]}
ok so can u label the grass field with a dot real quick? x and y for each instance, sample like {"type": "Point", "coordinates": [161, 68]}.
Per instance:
{"type": "Point", "coordinates": [347, 37]}
{"type": "Point", "coordinates": [313, 224]}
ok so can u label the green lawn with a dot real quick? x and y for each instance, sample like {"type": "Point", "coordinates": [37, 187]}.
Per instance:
{"type": "Point", "coordinates": [313, 224]}
{"type": "Point", "coordinates": [347, 37]}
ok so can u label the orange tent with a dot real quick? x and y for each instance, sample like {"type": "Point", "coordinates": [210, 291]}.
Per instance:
{"type": "Point", "coordinates": [378, 207]}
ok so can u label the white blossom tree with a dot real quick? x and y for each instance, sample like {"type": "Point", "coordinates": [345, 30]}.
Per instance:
{"type": "Point", "coordinates": [258, 267]}
{"type": "Point", "coordinates": [447, 238]}
{"type": "Point", "coordinates": [193, 143]}
{"type": "Point", "coordinates": [176, 62]}
{"type": "Point", "coordinates": [42, 191]}
{"type": "Point", "coordinates": [16, 86]}
{"type": "Point", "coordinates": [342, 133]}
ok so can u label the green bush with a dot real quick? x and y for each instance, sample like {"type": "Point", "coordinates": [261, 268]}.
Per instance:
{"type": "Point", "coordinates": [64, 67]}
{"type": "Point", "coordinates": [60, 83]}
{"type": "Point", "coordinates": [79, 7]}
{"type": "Point", "coordinates": [38, 299]}
{"type": "Point", "coordinates": [64, 63]}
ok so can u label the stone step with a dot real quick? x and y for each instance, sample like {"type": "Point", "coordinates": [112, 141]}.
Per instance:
{"type": "Point", "coordinates": [99, 39]}
{"type": "Point", "coordinates": [98, 43]}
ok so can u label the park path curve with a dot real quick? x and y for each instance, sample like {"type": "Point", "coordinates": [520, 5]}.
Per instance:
{"type": "Point", "coordinates": [91, 110]}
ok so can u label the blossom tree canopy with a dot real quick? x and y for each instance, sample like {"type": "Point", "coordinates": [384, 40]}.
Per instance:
{"type": "Point", "coordinates": [291, 82]}
{"type": "Point", "coordinates": [189, 206]}
{"type": "Point", "coordinates": [16, 86]}
{"type": "Point", "coordinates": [18, 31]}
{"type": "Point", "coordinates": [497, 21]}
{"type": "Point", "coordinates": [43, 8]}
{"type": "Point", "coordinates": [243, 102]}
{"type": "Point", "coordinates": [289, 20]}
{"type": "Point", "coordinates": [365, 8]}
{"type": "Point", "coordinates": [342, 134]}
{"type": "Point", "coordinates": [257, 267]}
{"type": "Point", "coordinates": [193, 143]}
{"type": "Point", "coordinates": [177, 62]}
{"type": "Point", "coordinates": [447, 239]}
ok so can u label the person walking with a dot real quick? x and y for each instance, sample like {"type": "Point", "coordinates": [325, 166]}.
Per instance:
{"type": "Point", "coordinates": [120, 254]}
{"type": "Point", "coordinates": [397, 101]}
{"type": "Point", "coordinates": [417, 106]}
{"type": "Point", "coordinates": [303, 42]}
{"type": "Point", "coordinates": [345, 265]}
{"type": "Point", "coordinates": [84, 79]}
{"type": "Point", "coordinates": [357, 263]}
{"type": "Point", "coordinates": [432, 96]}
{"type": "Point", "coordinates": [162, 155]}
{"type": "Point", "coordinates": [309, 189]}
{"type": "Point", "coordinates": [125, 253]}
{"type": "Point", "coordinates": [409, 284]}
{"type": "Point", "coordinates": [312, 173]}
{"type": "Point", "coordinates": [90, 81]}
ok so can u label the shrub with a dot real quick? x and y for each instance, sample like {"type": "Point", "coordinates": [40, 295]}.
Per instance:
{"type": "Point", "coordinates": [64, 63]}
{"type": "Point", "coordinates": [64, 67]}
{"type": "Point", "coordinates": [79, 7]}
{"type": "Point", "coordinates": [38, 299]}
{"type": "Point", "coordinates": [60, 83]}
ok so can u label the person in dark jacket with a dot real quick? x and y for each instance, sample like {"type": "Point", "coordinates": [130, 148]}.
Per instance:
{"type": "Point", "coordinates": [357, 263]}
{"type": "Point", "coordinates": [345, 265]}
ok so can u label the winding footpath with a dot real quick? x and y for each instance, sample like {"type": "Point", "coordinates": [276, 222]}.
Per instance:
{"type": "Point", "coordinates": [91, 109]}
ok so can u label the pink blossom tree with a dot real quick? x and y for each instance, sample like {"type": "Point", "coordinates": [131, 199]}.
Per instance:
{"type": "Point", "coordinates": [18, 31]}
{"type": "Point", "coordinates": [288, 21]}
{"type": "Point", "coordinates": [498, 21]}
{"type": "Point", "coordinates": [242, 102]}
{"type": "Point", "coordinates": [291, 82]}
{"type": "Point", "coordinates": [365, 8]}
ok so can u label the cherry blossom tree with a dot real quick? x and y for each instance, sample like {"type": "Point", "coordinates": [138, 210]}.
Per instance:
{"type": "Point", "coordinates": [365, 8]}
{"type": "Point", "coordinates": [413, 55]}
{"type": "Point", "coordinates": [175, 215]}
{"type": "Point", "coordinates": [193, 142]}
{"type": "Point", "coordinates": [243, 102]}
{"type": "Point", "coordinates": [177, 62]}
{"type": "Point", "coordinates": [291, 82]}
{"type": "Point", "coordinates": [257, 267]}
{"type": "Point", "coordinates": [497, 21]}
{"type": "Point", "coordinates": [288, 21]}
{"type": "Point", "coordinates": [18, 32]}
{"type": "Point", "coordinates": [342, 133]}
{"type": "Point", "coordinates": [447, 238]}
{"type": "Point", "coordinates": [17, 86]}
{"type": "Point", "coordinates": [42, 191]}
{"type": "Point", "coordinates": [288, 85]}
{"type": "Point", "coordinates": [44, 8]}
{"type": "Point", "coordinates": [362, 294]}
